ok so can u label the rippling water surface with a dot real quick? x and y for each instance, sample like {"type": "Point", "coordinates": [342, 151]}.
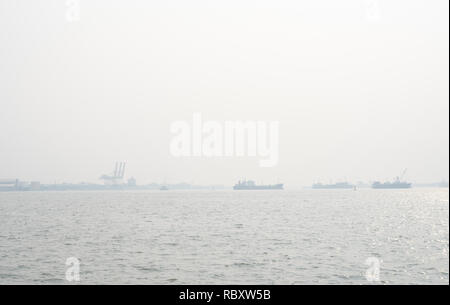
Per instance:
{"type": "Point", "coordinates": [226, 237]}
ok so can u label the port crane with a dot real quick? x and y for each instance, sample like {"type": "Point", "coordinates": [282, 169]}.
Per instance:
{"type": "Point", "coordinates": [116, 178]}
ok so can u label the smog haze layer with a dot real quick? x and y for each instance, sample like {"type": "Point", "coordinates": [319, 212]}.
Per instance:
{"type": "Point", "coordinates": [360, 92]}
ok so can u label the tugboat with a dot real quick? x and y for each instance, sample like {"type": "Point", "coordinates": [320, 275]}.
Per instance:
{"type": "Point", "coordinates": [250, 185]}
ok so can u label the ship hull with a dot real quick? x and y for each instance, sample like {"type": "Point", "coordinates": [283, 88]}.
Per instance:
{"type": "Point", "coordinates": [392, 186]}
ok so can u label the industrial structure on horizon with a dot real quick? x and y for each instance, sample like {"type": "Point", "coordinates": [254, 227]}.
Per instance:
{"type": "Point", "coordinates": [251, 185]}
{"type": "Point", "coordinates": [17, 185]}
{"type": "Point", "coordinates": [116, 181]}
{"type": "Point", "coordinates": [116, 178]}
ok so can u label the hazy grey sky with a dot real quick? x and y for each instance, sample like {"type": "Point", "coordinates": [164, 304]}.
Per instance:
{"type": "Point", "coordinates": [360, 88]}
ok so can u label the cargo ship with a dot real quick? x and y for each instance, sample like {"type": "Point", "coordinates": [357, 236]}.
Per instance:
{"type": "Point", "coordinates": [339, 185]}
{"type": "Point", "coordinates": [397, 184]}
{"type": "Point", "coordinates": [250, 185]}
